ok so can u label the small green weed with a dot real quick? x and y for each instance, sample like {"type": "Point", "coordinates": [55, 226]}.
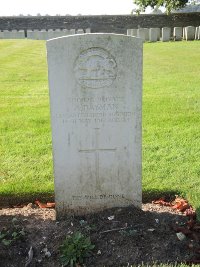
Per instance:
{"type": "Point", "coordinates": [8, 236]}
{"type": "Point", "coordinates": [75, 248]}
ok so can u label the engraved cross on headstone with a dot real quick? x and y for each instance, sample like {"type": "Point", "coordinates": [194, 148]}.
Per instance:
{"type": "Point", "coordinates": [97, 150]}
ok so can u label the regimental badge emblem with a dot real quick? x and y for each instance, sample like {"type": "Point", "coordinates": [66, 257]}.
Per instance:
{"type": "Point", "coordinates": [95, 68]}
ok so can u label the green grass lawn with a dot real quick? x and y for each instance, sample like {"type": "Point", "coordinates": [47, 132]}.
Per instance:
{"type": "Point", "coordinates": [171, 120]}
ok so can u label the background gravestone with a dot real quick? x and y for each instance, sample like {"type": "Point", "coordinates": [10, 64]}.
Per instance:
{"type": "Point", "coordinates": [153, 34]}
{"type": "Point", "coordinates": [158, 34]}
{"type": "Point", "coordinates": [141, 33]}
{"type": "Point", "coordinates": [189, 33]}
{"type": "Point", "coordinates": [129, 32]}
{"type": "Point", "coordinates": [146, 30]}
{"type": "Point", "coordinates": [30, 34]}
{"type": "Point", "coordinates": [95, 93]}
{"type": "Point", "coordinates": [80, 31]}
{"type": "Point", "coordinates": [134, 32]}
{"type": "Point", "coordinates": [197, 33]}
{"type": "Point", "coordinates": [166, 33]}
{"type": "Point", "coordinates": [177, 33]}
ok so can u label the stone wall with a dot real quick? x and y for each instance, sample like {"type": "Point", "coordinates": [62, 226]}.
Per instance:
{"type": "Point", "coordinates": [108, 23]}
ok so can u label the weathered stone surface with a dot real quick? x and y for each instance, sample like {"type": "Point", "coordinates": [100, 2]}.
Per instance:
{"type": "Point", "coordinates": [72, 31]}
{"type": "Point", "coordinates": [141, 33]}
{"type": "Point", "coordinates": [166, 34]}
{"type": "Point", "coordinates": [178, 33]}
{"type": "Point", "coordinates": [7, 34]}
{"type": "Point", "coordinates": [153, 34]}
{"type": "Point", "coordinates": [35, 34]}
{"type": "Point", "coordinates": [146, 30]}
{"type": "Point", "coordinates": [158, 33]}
{"type": "Point", "coordinates": [197, 33]}
{"type": "Point", "coordinates": [88, 30]}
{"type": "Point", "coordinates": [128, 32]}
{"type": "Point", "coordinates": [66, 32]}
{"type": "Point", "coordinates": [17, 34]}
{"type": "Point", "coordinates": [57, 33]}
{"type": "Point", "coordinates": [50, 34]}
{"type": "Point", "coordinates": [1, 35]}
{"type": "Point", "coordinates": [134, 32]}
{"type": "Point", "coordinates": [29, 34]}
{"type": "Point", "coordinates": [42, 35]}
{"type": "Point", "coordinates": [80, 31]}
{"type": "Point", "coordinates": [95, 93]}
{"type": "Point", "coordinates": [189, 33]}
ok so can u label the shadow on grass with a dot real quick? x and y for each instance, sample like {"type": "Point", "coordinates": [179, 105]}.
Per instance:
{"type": "Point", "coordinates": [150, 195]}
{"type": "Point", "coordinates": [17, 199]}
{"type": "Point", "coordinates": [168, 195]}
{"type": "Point", "coordinates": [147, 196]}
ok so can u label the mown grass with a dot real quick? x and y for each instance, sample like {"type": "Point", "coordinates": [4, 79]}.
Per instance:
{"type": "Point", "coordinates": [171, 120]}
{"type": "Point", "coordinates": [26, 161]}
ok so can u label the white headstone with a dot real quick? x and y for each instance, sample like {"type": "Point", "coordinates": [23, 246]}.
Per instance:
{"type": "Point", "coordinates": [50, 34]}
{"type": "Point", "coordinates": [95, 93]}
{"type": "Point", "coordinates": [134, 32]}
{"type": "Point", "coordinates": [128, 32]}
{"type": "Point", "coordinates": [72, 31]}
{"type": "Point", "coordinates": [153, 34]}
{"type": "Point", "coordinates": [80, 31]}
{"type": "Point", "coordinates": [141, 33]}
{"type": "Point", "coordinates": [13, 34]}
{"type": "Point", "coordinates": [189, 33]}
{"type": "Point", "coordinates": [197, 34]}
{"type": "Point", "coordinates": [35, 35]}
{"type": "Point", "coordinates": [66, 32]}
{"type": "Point", "coordinates": [7, 34]}
{"type": "Point", "coordinates": [20, 34]}
{"type": "Point", "coordinates": [146, 30]}
{"type": "Point", "coordinates": [42, 35]}
{"type": "Point", "coordinates": [158, 34]}
{"type": "Point", "coordinates": [58, 33]}
{"type": "Point", "coordinates": [1, 35]}
{"type": "Point", "coordinates": [178, 33]}
{"type": "Point", "coordinates": [183, 33]}
{"type": "Point", "coordinates": [166, 34]}
{"type": "Point", "coordinates": [29, 34]}
{"type": "Point", "coordinates": [88, 30]}
{"type": "Point", "coordinates": [32, 34]}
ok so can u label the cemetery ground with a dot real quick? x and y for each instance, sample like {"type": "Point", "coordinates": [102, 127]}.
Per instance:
{"type": "Point", "coordinates": [171, 141]}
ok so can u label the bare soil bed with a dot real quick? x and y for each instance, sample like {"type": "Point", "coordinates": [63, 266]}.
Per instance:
{"type": "Point", "coordinates": [121, 236]}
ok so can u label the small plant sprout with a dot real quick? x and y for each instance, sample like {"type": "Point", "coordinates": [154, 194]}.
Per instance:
{"type": "Point", "coordinates": [74, 249]}
{"type": "Point", "coordinates": [8, 236]}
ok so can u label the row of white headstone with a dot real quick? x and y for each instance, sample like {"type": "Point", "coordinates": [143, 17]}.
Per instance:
{"type": "Point", "coordinates": [40, 34]}
{"type": "Point", "coordinates": [166, 34]}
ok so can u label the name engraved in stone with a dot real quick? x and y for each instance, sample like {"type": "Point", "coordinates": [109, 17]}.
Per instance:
{"type": "Point", "coordinates": [95, 68]}
{"type": "Point", "coordinates": [96, 110]}
{"type": "Point", "coordinates": [101, 197]}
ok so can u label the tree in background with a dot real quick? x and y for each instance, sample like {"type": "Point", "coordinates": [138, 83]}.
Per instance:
{"type": "Point", "coordinates": [168, 4]}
